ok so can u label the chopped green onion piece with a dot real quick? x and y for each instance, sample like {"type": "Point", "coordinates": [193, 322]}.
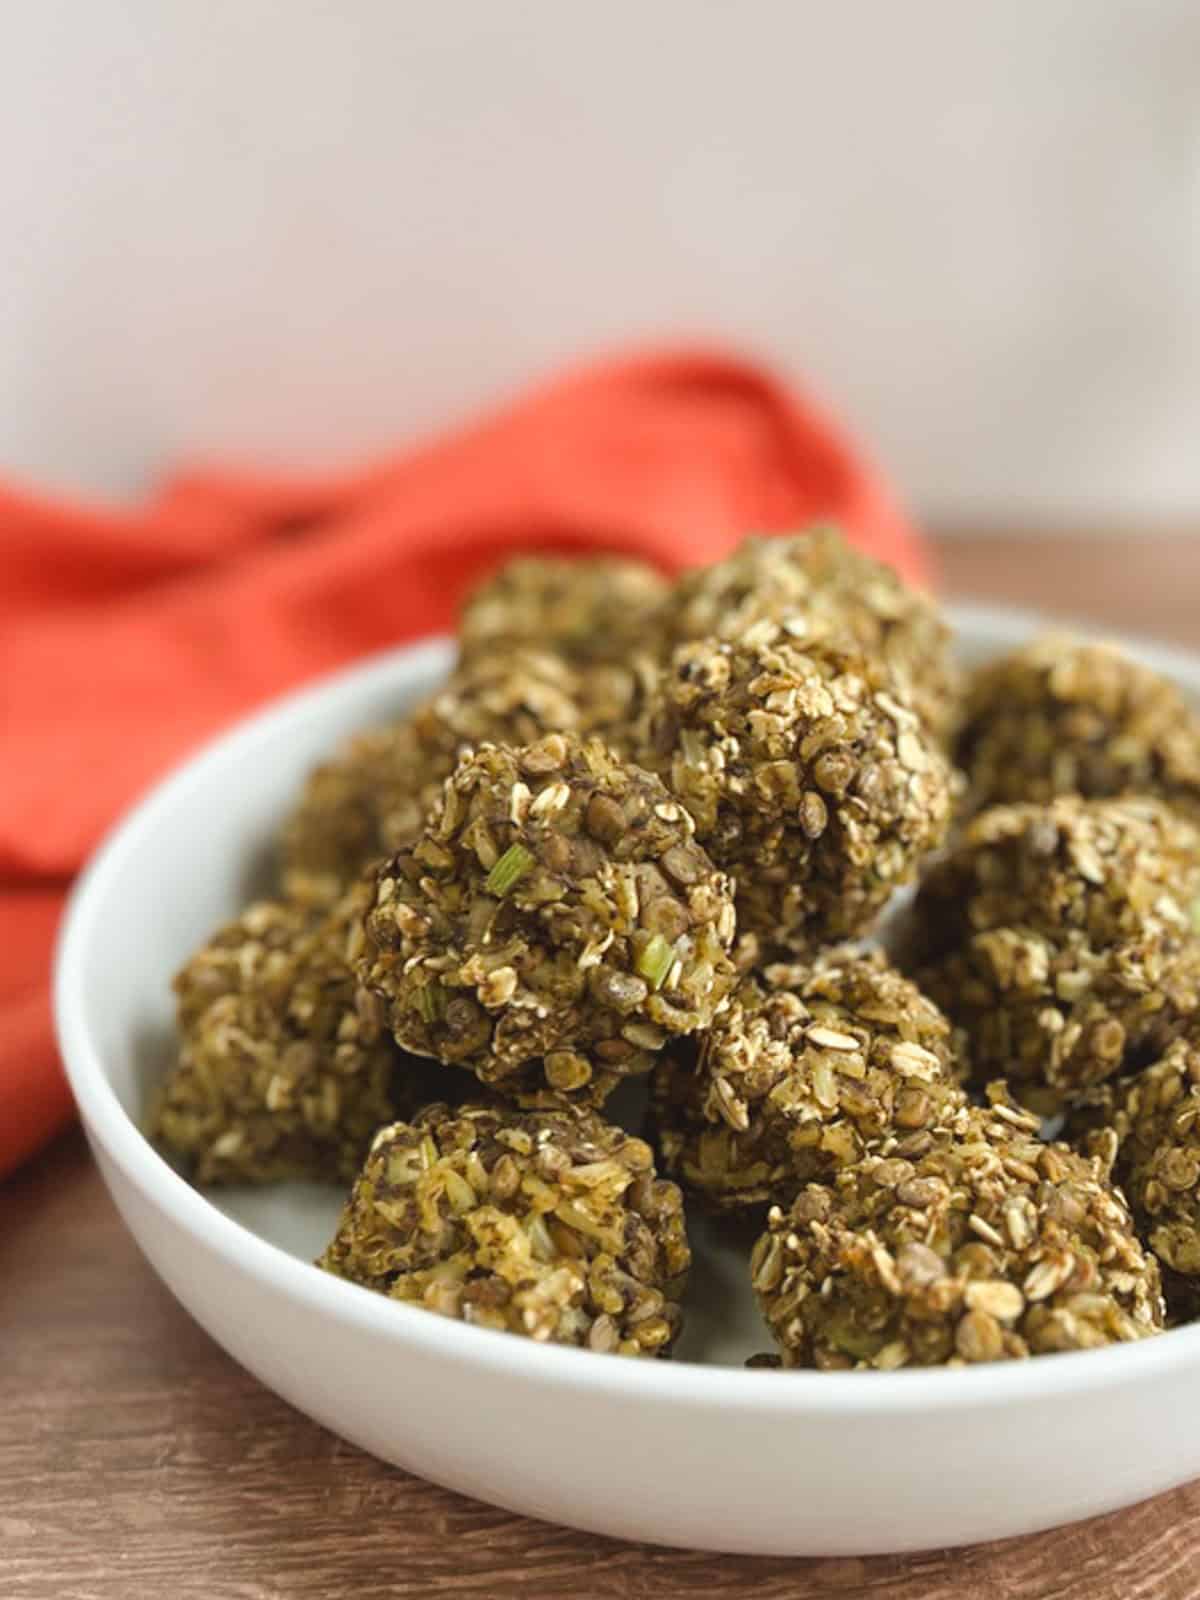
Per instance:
{"type": "Point", "coordinates": [431, 1001]}
{"type": "Point", "coordinates": [511, 867]}
{"type": "Point", "coordinates": [656, 960]}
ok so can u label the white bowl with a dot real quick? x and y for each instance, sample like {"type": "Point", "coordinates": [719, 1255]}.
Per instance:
{"type": "Point", "coordinates": [697, 1451]}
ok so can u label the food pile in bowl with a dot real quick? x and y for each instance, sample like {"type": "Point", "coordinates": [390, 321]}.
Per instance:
{"type": "Point", "coordinates": [653, 831]}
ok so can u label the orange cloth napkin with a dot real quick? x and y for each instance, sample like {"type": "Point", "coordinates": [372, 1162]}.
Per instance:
{"type": "Point", "coordinates": [128, 636]}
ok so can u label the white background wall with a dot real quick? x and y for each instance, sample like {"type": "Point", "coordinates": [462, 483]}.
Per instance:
{"type": "Point", "coordinates": [298, 229]}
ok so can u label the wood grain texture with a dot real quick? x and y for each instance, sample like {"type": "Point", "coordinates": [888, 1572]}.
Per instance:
{"type": "Point", "coordinates": [1137, 583]}
{"type": "Point", "coordinates": [137, 1462]}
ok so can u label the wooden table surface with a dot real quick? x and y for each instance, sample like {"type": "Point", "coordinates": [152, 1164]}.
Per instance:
{"type": "Point", "coordinates": [137, 1462]}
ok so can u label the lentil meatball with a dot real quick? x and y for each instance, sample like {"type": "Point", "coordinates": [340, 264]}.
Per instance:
{"type": "Point", "coordinates": [809, 1068]}
{"type": "Point", "coordinates": [601, 616]}
{"type": "Point", "coordinates": [281, 1071]}
{"type": "Point", "coordinates": [809, 776]}
{"type": "Point", "coordinates": [1059, 939]}
{"type": "Point", "coordinates": [557, 915]}
{"type": "Point", "coordinates": [1153, 1132]}
{"type": "Point", "coordinates": [818, 587]}
{"type": "Point", "coordinates": [551, 1224]}
{"type": "Point", "coordinates": [592, 612]}
{"type": "Point", "coordinates": [1065, 716]}
{"type": "Point", "coordinates": [991, 1246]}
{"type": "Point", "coordinates": [372, 798]}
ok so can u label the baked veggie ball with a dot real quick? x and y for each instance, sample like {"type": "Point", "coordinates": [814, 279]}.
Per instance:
{"type": "Point", "coordinates": [1059, 938]}
{"type": "Point", "coordinates": [1154, 1135]}
{"type": "Point", "coordinates": [549, 1224]}
{"type": "Point", "coordinates": [601, 615]}
{"type": "Point", "coordinates": [816, 586]}
{"type": "Point", "coordinates": [282, 1070]}
{"type": "Point", "coordinates": [990, 1246]}
{"type": "Point", "coordinates": [592, 612]}
{"type": "Point", "coordinates": [556, 922]}
{"type": "Point", "coordinates": [372, 798]}
{"type": "Point", "coordinates": [809, 776]}
{"type": "Point", "coordinates": [807, 1069]}
{"type": "Point", "coordinates": [1065, 715]}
